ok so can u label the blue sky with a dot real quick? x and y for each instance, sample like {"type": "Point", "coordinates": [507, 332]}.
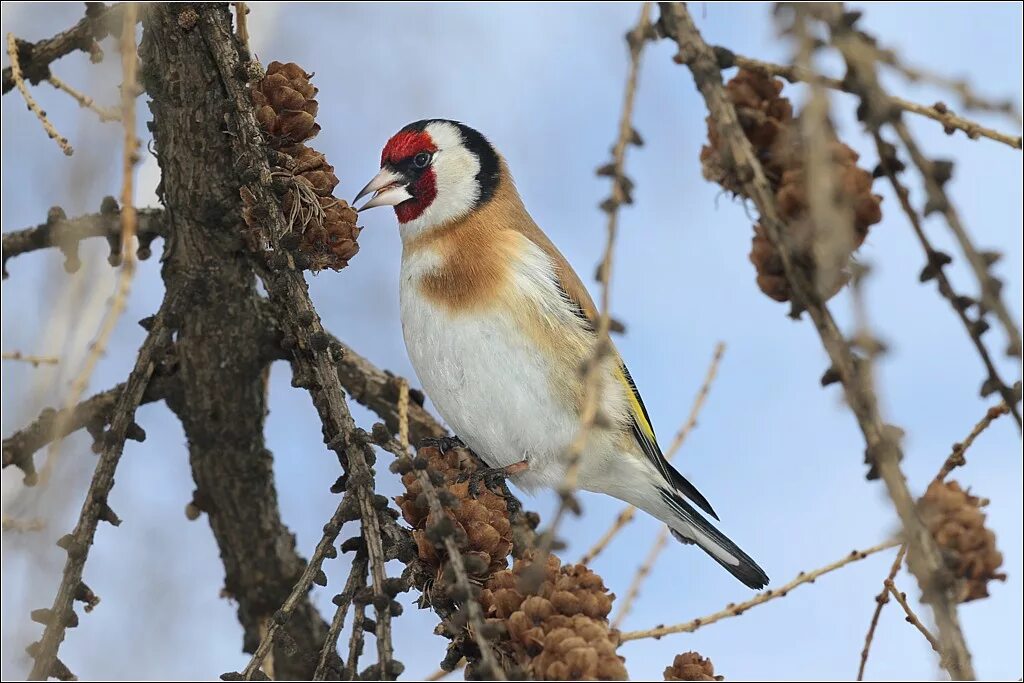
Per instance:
{"type": "Point", "coordinates": [779, 457]}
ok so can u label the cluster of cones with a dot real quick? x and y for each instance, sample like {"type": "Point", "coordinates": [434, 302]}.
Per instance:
{"type": "Point", "coordinates": [690, 666]}
{"type": "Point", "coordinates": [559, 631]}
{"type": "Point", "coordinates": [956, 521]}
{"type": "Point", "coordinates": [322, 227]}
{"type": "Point", "coordinates": [768, 122]}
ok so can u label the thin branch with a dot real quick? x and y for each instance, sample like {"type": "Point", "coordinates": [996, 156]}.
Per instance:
{"type": "Point", "coordinates": [65, 233]}
{"type": "Point", "coordinates": [935, 268]}
{"type": "Point", "coordinates": [912, 618]}
{"type": "Point", "coordinates": [642, 572]}
{"type": "Point", "coordinates": [33, 106]}
{"type": "Point", "coordinates": [937, 112]}
{"type": "Point", "coordinates": [343, 600]}
{"type": "Point", "coordinates": [324, 549]}
{"type": "Point", "coordinates": [35, 58]}
{"type": "Point", "coordinates": [36, 361]}
{"type": "Point", "coordinates": [956, 457]}
{"type": "Point", "coordinates": [991, 289]}
{"type": "Point", "coordinates": [880, 601]}
{"type": "Point", "coordinates": [629, 512]}
{"type": "Point", "coordinates": [883, 448]}
{"type": "Point", "coordinates": [735, 610]}
{"type": "Point", "coordinates": [105, 113]}
{"type": "Point", "coordinates": [77, 544]}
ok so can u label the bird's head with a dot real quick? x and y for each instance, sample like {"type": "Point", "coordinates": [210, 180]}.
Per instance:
{"type": "Point", "coordinates": [433, 172]}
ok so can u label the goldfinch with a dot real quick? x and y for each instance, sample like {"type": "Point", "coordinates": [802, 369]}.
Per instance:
{"type": "Point", "coordinates": [498, 325]}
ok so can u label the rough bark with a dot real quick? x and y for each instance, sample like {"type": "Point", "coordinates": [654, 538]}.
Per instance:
{"type": "Point", "coordinates": [222, 403]}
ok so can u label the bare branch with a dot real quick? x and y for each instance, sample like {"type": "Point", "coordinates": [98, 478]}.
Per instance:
{"type": "Point", "coordinates": [343, 600]}
{"type": "Point", "coordinates": [85, 101]}
{"type": "Point", "coordinates": [880, 601]}
{"type": "Point", "coordinates": [935, 269]}
{"type": "Point", "coordinates": [33, 106]}
{"type": "Point", "coordinates": [65, 233]}
{"type": "Point", "coordinates": [35, 361]}
{"type": "Point", "coordinates": [735, 610]}
{"type": "Point", "coordinates": [912, 618]}
{"type": "Point", "coordinates": [324, 549]}
{"type": "Point", "coordinates": [77, 544]}
{"type": "Point", "coordinates": [35, 58]}
{"type": "Point", "coordinates": [956, 457]}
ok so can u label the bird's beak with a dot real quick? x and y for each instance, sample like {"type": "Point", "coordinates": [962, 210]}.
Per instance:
{"type": "Point", "coordinates": [389, 188]}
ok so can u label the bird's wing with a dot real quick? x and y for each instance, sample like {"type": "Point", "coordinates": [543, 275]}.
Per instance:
{"type": "Point", "coordinates": [578, 297]}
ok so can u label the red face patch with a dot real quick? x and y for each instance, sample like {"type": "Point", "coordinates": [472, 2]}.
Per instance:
{"type": "Point", "coordinates": [406, 144]}
{"type": "Point", "coordinates": [398, 154]}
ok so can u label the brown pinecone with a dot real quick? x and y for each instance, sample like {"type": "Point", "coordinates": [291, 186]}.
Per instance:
{"type": "Point", "coordinates": [559, 631]}
{"type": "Point", "coordinates": [690, 666]}
{"type": "Point", "coordinates": [767, 120]}
{"type": "Point", "coordinates": [482, 522]}
{"type": "Point", "coordinates": [325, 225]}
{"type": "Point", "coordinates": [956, 521]}
{"type": "Point", "coordinates": [285, 104]}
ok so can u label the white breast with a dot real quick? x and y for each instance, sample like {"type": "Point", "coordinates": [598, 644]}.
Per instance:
{"type": "Point", "coordinates": [487, 379]}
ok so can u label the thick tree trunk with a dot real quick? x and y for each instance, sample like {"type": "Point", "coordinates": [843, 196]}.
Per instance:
{"type": "Point", "coordinates": [222, 402]}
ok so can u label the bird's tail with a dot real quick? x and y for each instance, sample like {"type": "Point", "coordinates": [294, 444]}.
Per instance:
{"type": "Point", "coordinates": [688, 526]}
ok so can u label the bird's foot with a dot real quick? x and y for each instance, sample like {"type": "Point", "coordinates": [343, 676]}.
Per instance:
{"type": "Point", "coordinates": [443, 444]}
{"type": "Point", "coordinates": [495, 479]}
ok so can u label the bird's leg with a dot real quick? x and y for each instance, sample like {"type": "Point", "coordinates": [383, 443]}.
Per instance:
{"type": "Point", "coordinates": [443, 444]}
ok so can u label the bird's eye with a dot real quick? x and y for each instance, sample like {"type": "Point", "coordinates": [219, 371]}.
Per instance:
{"type": "Point", "coordinates": [421, 160]}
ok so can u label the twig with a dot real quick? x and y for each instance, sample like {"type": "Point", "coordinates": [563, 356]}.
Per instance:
{"type": "Point", "coordinates": [934, 268]}
{"type": "Point", "coordinates": [325, 548]}
{"type": "Point", "coordinates": [735, 610]}
{"type": "Point", "coordinates": [77, 544]}
{"type": "Point", "coordinates": [595, 366]}
{"type": "Point", "coordinates": [35, 58]}
{"type": "Point", "coordinates": [883, 449]}
{"type": "Point", "coordinates": [36, 361]}
{"type": "Point", "coordinates": [51, 131]}
{"type": "Point", "coordinates": [956, 457]}
{"type": "Point", "coordinates": [629, 512]}
{"type": "Point", "coordinates": [880, 601]}
{"type": "Point", "coordinates": [641, 575]}
{"type": "Point", "coordinates": [65, 233]}
{"type": "Point", "coordinates": [105, 113]}
{"type": "Point", "coordinates": [901, 598]}
{"type": "Point", "coordinates": [991, 289]}
{"type": "Point", "coordinates": [356, 579]}
{"type": "Point", "coordinates": [937, 112]}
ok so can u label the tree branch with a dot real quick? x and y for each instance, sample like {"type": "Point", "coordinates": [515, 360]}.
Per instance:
{"type": "Point", "coordinates": [61, 614]}
{"type": "Point", "coordinates": [65, 233]}
{"type": "Point", "coordinates": [35, 58]}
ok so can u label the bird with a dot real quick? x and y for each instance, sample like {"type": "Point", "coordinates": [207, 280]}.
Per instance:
{"type": "Point", "coordinates": [498, 325]}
